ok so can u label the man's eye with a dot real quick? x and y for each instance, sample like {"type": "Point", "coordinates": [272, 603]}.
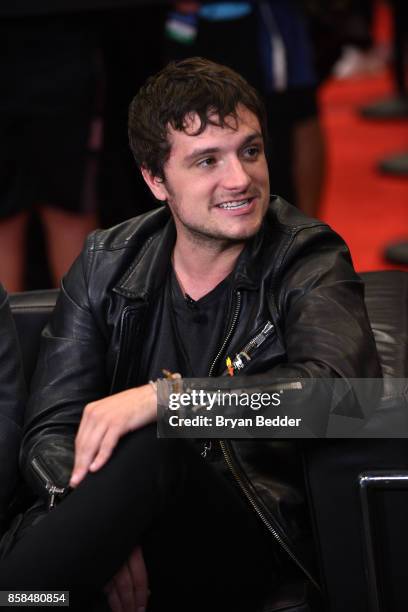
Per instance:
{"type": "Point", "coordinates": [207, 162]}
{"type": "Point", "coordinates": [252, 152]}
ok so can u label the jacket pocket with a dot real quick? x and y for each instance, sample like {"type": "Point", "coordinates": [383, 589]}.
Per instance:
{"type": "Point", "coordinates": [48, 481]}
{"type": "Point", "coordinates": [245, 355]}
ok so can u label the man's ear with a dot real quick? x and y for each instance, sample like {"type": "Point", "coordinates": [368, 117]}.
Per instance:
{"type": "Point", "coordinates": [155, 184]}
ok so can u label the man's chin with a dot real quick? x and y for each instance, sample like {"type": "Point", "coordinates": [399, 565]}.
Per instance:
{"type": "Point", "coordinates": [241, 234]}
{"type": "Point", "coordinates": [223, 236]}
{"type": "Point", "coordinates": [245, 233]}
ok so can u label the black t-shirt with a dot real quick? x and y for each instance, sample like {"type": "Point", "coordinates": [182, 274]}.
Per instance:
{"type": "Point", "coordinates": [188, 335]}
{"type": "Point", "coordinates": [189, 332]}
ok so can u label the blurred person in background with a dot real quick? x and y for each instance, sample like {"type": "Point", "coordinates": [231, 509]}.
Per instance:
{"type": "Point", "coordinates": [48, 71]}
{"type": "Point", "coordinates": [361, 54]}
{"type": "Point", "coordinates": [396, 105]}
{"type": "Point", "coordinates": [130, 42]}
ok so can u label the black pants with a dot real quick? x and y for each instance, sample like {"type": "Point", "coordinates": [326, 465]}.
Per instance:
{"type": "Point", "coordinates": [204, 548]}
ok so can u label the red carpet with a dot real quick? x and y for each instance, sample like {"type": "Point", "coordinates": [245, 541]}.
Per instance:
{"type": "Point", "coordinates": [367, 208]}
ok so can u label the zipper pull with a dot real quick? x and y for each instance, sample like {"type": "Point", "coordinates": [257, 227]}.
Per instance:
{"type": "Point", "coordinates": [206, 449]}
{"type": "Point", "coordinates": [238, 362]}
{"type": "Point", "coordinates": [53, 492]}
{"type": "Point", "coordinates": [51, 489]}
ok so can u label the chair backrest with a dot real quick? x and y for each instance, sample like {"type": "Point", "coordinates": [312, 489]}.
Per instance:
{"type": "Point", "coordinates": [386, 297]}
{"type": "Point", "coordinates": [31, 311]}
{"type": "Point", "coordinates": [358, 489]}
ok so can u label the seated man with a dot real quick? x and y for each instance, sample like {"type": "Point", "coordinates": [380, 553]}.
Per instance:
{"type": "Point", "coordinates": [180, 289]}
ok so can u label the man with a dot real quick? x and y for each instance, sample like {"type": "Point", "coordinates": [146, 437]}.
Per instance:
{"type": "Point", "coordinates": [180, 289]}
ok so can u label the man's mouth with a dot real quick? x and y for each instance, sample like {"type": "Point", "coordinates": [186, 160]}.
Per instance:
{"type": "Point", "coordinates": [235, 204]}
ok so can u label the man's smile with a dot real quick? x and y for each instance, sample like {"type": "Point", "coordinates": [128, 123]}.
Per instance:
{"type": "Point", "coordinates": [244, 205]}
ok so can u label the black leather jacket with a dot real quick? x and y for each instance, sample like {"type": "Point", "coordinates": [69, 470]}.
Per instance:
{"type": "Point", "coordinates": [296, 273]}
{"type": "Point", "coordinates": [12, 403]}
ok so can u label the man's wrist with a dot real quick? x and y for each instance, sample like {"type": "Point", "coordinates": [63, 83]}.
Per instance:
{"type": "Point", "coordinates": [153, 385]}
{"type": "Point", "coordinates": [151, 399]}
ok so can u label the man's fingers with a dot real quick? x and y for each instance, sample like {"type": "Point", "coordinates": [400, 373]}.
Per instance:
{"type": "Point", "coordinates": [128, 589]}
{"type": "Point", "coordinates": [140, 579]}
{"type": "Point", "coordinates": [114, 415]}
{"type": "Point", "coordinates": [87, 445]}
{"type": "Point", "coordinates": [83, 459]}
{"type": "Point", "coordinates": [99, 447]}
{"type": "Point", "coordinates": [125, 589]}
{"type": "Point", "coordinates": [105, 450]}
{"type": "Point", "coordinates": [113, 598]}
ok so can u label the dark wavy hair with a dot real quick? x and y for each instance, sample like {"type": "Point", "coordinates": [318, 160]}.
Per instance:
{"type": "Point", "coordinates": [195, 85]}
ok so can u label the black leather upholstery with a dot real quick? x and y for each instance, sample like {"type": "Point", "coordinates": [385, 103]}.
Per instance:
{"type": "Point", "coordinates": [31, 311]}
{"type": "Point", "coordinates": [386, 297]}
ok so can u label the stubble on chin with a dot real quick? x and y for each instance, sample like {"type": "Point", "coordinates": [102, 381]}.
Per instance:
{"type": "Point", "coordinates": [215, 239]}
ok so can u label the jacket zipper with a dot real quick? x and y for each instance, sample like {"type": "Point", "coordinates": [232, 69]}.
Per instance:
{"type": "Point", "coordinates": [227, 338]}
{"type": "Point", "coordinates": [254, 343]}
{"type": "Point", "coordinates": [252, 500]}
{"type": "Point", "coordinates": [51, 488]}
{"type": "Point", "coordinates": [259, 338]}
{"type": "Point", "coordinates": [236, 308]}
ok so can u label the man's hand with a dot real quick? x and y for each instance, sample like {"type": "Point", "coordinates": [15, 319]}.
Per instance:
{"type": "Point", "coordinates": [105, 421]}
{"type": "Point", "coordinates": [128, 590]}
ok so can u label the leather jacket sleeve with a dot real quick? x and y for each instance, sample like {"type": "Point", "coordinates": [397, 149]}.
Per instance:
{"type": "Point", "coordinates": [12, 402]}
{"type": "Point", "coordinates": [70, 373]}
{"type": "Point", "coordinates": [321, 310]}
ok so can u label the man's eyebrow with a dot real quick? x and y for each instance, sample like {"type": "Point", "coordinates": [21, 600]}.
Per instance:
{"type": "Point", "coordinates": [250, 138]}
{"type": "Point", "coordinates": [196, 153]}
{"type": "Point", "coordinates": [201, 153]}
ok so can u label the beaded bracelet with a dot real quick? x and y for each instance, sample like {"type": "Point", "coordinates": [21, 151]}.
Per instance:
{"type": "Point", "coordinates": [167, 375]}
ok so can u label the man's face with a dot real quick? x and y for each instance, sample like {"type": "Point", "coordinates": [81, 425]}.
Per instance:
{"type": "Point", "coordinates": [216, 183]}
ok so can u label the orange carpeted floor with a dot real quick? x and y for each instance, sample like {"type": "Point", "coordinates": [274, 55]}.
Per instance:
{"type": "Point", "coordinates": [367, 208]}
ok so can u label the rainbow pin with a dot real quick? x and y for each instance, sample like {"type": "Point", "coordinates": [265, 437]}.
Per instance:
{"type": "Point", "coordinates": [230, 367]}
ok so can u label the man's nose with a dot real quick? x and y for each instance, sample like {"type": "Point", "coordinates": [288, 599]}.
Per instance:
{"type": "Point", "coordinates": [236, 177]}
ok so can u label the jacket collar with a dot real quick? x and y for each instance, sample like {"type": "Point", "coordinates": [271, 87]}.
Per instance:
{"type": "Point", "coordinates": [147, 274]}
{"type": "Point", "coordinates": [148, 271]}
